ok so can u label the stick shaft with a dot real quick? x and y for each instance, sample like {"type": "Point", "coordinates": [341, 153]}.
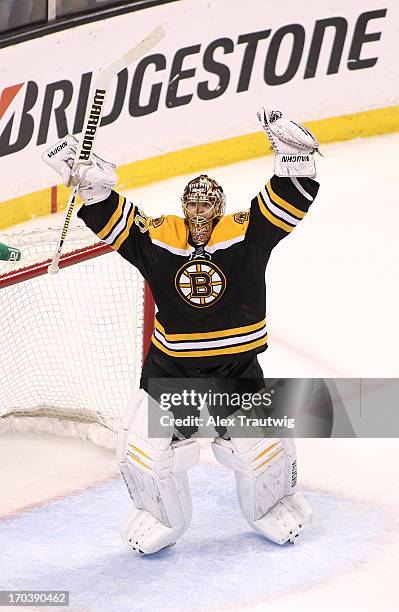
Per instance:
{"type": "Point", "coordinates": [54, 266]}
{"type": "Point", "coordinates": [99, 92]}
{"type": "Point", "coordinates": [92, 122]}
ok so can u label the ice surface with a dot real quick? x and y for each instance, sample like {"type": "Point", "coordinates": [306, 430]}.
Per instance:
{"type": "Point", "coordinates": [75, 546]}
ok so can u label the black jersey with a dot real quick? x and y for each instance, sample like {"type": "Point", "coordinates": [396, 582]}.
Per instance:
{"type": "Point", "coordinates": [211, 300]}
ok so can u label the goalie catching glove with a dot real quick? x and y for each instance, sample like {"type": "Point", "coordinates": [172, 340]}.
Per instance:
{"type": "Point", "coordinates": [95, 179]}
{"type": "Point", "coordinates": [293, 144]}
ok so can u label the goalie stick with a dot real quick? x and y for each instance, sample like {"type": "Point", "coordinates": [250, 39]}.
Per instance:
{"type": "Point", "coordinates": [92, 122]}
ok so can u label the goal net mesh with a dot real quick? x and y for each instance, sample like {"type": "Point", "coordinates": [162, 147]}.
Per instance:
{"type": "Point", "coordinates": [71, 343]}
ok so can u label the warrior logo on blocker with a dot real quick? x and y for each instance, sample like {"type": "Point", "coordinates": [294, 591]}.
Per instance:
{"type": "Point", "coordinates": [200, 283]}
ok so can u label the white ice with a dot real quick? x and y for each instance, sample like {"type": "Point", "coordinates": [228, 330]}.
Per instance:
{"type": "Point", "coordinates": [332, 311]}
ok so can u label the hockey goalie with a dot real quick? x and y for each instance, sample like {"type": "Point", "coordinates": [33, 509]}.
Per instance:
{"type": "Point", "coordinates": [206, 271]}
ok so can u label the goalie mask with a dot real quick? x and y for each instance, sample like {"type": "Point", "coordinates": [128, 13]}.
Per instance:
{"type": "Point", "coordinates": [203, 202]}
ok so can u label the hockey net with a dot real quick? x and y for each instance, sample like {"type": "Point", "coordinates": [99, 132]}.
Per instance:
{"type": "Point", "coordinates": [72, 343]}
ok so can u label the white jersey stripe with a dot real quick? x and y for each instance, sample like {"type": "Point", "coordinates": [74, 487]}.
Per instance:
{"type": "Point", "coordinates": [224, 245]}
{"type": "Point", "coordinates": [174, 250]}
{"type": "Point", "coordinates": [277, 211]}
{"type": "Point", "coordinates": [118, 229]}
{"type": "Point", "coordinates": [200, 344]}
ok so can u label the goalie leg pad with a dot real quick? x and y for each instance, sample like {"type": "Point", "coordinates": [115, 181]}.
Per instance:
{"type": "Point", "coordinates": [154, 470]}
{"type": "Point", "coordinates": [266, 481]}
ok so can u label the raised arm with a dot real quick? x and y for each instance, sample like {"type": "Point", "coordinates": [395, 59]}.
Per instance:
{"type": "Point", "coordinates": [110, 215]}
{"type": "Point", "coordinates": [285, 199]}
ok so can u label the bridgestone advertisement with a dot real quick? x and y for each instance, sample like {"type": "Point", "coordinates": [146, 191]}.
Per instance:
{"type": "Point", "coordinates": [208, 80]}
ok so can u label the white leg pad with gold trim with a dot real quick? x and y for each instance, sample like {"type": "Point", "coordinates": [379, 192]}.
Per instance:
{"type": "Point", "coordinates": [265, 473]}
{"type": "Point", "coordinates": [154, 470]}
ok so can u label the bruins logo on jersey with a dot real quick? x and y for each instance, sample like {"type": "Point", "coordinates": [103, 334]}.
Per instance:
{"type": "Point", "coordinates": [241, 217]}
{"type": "Point", "coordinates": [200, 283]}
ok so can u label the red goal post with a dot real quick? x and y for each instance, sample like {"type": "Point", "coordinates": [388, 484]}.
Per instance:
{"type": "Point", "coordinates": [73, 343]}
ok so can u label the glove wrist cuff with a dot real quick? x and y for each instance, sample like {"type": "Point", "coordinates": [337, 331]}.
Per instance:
{"type": "Point", "coordinates": [93, 195]}
{"type": "Point", "coordinates": [294, 164]}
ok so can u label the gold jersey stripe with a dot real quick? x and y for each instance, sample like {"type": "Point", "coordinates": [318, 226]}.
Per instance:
{"type": "Point", "coordinates": [122, 237]}
{"type": "Point", "coordinates": [283, 203]}
{"type": "Point", "coordinates": [272, 218]}
{"type": "Point", "coordinates": [211, 335]}
{"type": "Point", "coordinates": [242, 348]}
{"type": "Point", "coordinates": [227, 229]}
{"type": "Point", "coordinates": [173, 232]}
{"type": "Point", "coordinates": [113, 220]}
